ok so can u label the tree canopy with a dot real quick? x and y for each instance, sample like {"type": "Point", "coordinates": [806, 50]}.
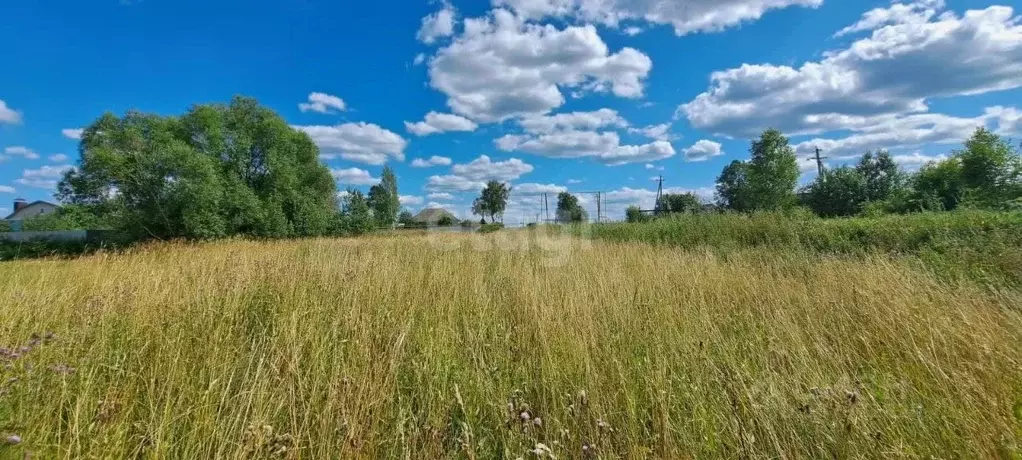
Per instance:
{"type": "Point", "coordinates": [772, 172]}
{"type": "Point", "coordinates": [733, 191]}
{"type": "Point", "coordinates": [492, 201]}
{"type": "Point", "coordinates": [217, 170]}
{"type": "Point", "coordinates": [569, 210]}
{"type": "Point", "coordinates": [384, 199]}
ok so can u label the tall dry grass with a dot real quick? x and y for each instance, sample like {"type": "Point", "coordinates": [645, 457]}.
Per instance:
{"type": "Point", "coordinates": [449, 347]}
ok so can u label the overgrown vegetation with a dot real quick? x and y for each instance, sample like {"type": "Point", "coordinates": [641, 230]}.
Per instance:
{"type": "Point", "coordinates": [218, 170]}
{"type": "Point", "coordinates": [983, 245]}
{"type": "Point", "coordinates": [492, 347]}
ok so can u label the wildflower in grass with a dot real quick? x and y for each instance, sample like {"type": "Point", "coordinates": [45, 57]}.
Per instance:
{"type": "Point", "coordinates": [537, 421]}
{"type": "Point", "coordinates": [524, 416]}
{"type": "Point", "coordinates": [541, 450]}
{"type": "Point", "coordinates": [12, 439]}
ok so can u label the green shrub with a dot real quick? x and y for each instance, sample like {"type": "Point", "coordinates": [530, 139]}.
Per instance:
{"type": "Point", "coordinates": [490, 228]}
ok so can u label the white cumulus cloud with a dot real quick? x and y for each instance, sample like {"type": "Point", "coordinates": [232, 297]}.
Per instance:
{"type": "Point", "coordinates": [434, 160]}
{"type": "Point", "coordinates": [410, 200]}
{"type": "Point", "coordinates": [72, 133]}
{"type": "Point", "coordinates": [354, 176]}
{"type": "Point", "coordinates": [703, 150]}
{"type": "Point", "coordinates": [8, 115]}
{"type": "Point", "coordinates": [604, 147]}
{"type": "Point", "coordinates": [907, 59]}
{"type": "Point", "coordinates": [19, 151]}
{"type": "Point", "coordinates": [45, 177]}
{"type": "Point", "coordinates": [501, 66]}
{"type": "Point", "coordinates": [362, 142]}
{"type": "Point", "coordinates": [322, 103]}
{"type": "Point", "coordinates": [440, 123]}
{"type": "Point", "coordinates": [685, 16]}
{"type": "Point", "coordinates": [437, 25]}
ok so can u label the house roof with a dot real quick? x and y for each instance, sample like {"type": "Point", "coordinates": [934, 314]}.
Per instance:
{"type": "Point", "coordinates": [11, 215]}
{"type": "Point", "coordinates": [433, 215]}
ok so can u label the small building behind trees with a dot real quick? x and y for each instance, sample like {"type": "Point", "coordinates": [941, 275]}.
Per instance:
{"type": "Point", "coordinates": [433, 217]}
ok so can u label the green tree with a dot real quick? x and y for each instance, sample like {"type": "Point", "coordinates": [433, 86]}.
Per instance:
{"type": "Point", "coordinates": [406, 218]}
{"type": "Point", "coordinates": [384, 199]}
{"type": "Point", "coordinates": [681, 203]}
{"type": "Point", "coordinates": [217, 170]}
{"type": "Point", "coordinates": [841, 192]}
{"type": "Point", "coordinates": [938, 185]}
{"type": "Point", "coordinates": [634, 214]}
{"type": "Point", "coordinates": [445, 221]}
{"type": "Point", "coordinates": [356, 215]}
{"type": "Point", "coordinates": [492, 201]}
{"type": "Point", "coordinates": [990, 170]}
{"type": "Point", "coordinates": [569, 210]}
{"type": "Point", "coordinates": [772, 172]}
{"type": "Point", "coordinates": [881, 175]}
{"type": "Point", "coordinates": [733, 189]}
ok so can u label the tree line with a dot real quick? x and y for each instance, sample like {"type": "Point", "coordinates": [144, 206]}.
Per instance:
{"type": "Point", "coordinates": [985, 174]}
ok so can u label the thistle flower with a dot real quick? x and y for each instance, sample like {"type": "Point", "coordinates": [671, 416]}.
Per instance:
{"type": "Point", "coordinates": [12, 439]}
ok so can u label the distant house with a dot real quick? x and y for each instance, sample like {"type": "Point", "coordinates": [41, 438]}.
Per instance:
{"type": "Point", "coordinates": [24, 210]}
{"type": "Point", "coordinates": [432, 215]}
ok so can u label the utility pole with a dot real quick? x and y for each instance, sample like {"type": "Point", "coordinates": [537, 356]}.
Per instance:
{"type": "Point", "coordinates": [658, 206]}
{"type": "Point", "coordinates": [546, 209]}
{"type": "Point", "coordinates": [599, 207]}
{"type": "Point", "coordinates": [819, 162]}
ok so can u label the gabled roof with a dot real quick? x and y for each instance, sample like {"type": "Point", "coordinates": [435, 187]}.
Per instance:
{"type": "Point", "coordinates": [433, 215]}
{"type": "Point", "coordinates": [29, 205]}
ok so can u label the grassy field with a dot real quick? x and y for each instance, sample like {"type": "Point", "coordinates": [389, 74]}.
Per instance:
{"type": "Point", "coordinates": [503, 346]}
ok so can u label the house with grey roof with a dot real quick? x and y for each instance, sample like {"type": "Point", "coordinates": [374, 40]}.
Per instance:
{"type": "Point", "coordinates": [24, 210]}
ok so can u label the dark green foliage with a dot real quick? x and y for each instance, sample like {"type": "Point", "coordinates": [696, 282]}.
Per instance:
{"type": "Point", "coordinates": [991, 171]}
{"type": "Point", "coordinates": [765, 182]}
{"type": "Point", "coordinates": [673, 203]}
{"type": "Point", "coordinates": [733, 191]}
{"type": "Point", "coordinates": [218, 170]}
{"type": "Point", "coordinates": [467, 223]}
{"type": "Point", "coordinates": [772, 172]}
{"type": "Point", "coordinates": [840, 192]}
{"type": "Point", "coordinates": [938, 186]}
{"type": "Point", "coordinates": [69, 217]}
{"type": "Point", "coordinates": [634, 214]}
{"type": "Point", "coordinates": [881, 176]}
{"type": "Point", "coordinates": [569, 211]}
{"type": "Point", "coordinates": [490, 228]}
{"type": "Point", "coordinates": [384, 199]}
{"type": "Point", "coordinates": [492, 201]}
{"type": "Point", "coordinates": [406, 218]}
{"type": "Point", "coordinates": [445, 221]}
{"type": "Point", "coordinates": [356, 218]}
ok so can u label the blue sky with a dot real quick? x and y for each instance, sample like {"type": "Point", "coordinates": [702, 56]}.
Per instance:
{"type": "Point", "coordinates": [548, 95]}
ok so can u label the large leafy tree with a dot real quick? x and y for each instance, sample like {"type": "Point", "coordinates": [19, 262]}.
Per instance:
{"type": "Point", "coordinates": [492, 201]}
{"type": "Point", "coordinates": [990, 169]}
{"type": "Point", "coordinates": [569, 210]}
{"type": "Point", "coordinates": [733, 190]}
{"type": "Point", "coordinates": [772, 172]}
{"type": "Point", "coordinates": [356, 215]}
{"type": "Point", "coordinates": [217, 170]}
{"type": "Point", "coordinates": [384, 199]}
{"type": "Point", "coordinates": [681, 202]}
{"type": "Point", "coordinates": [841, 192]}
{"type": "Point", "coordinates": [938, 185]}
{"type": "Point", "coordinates": [880, 174]}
